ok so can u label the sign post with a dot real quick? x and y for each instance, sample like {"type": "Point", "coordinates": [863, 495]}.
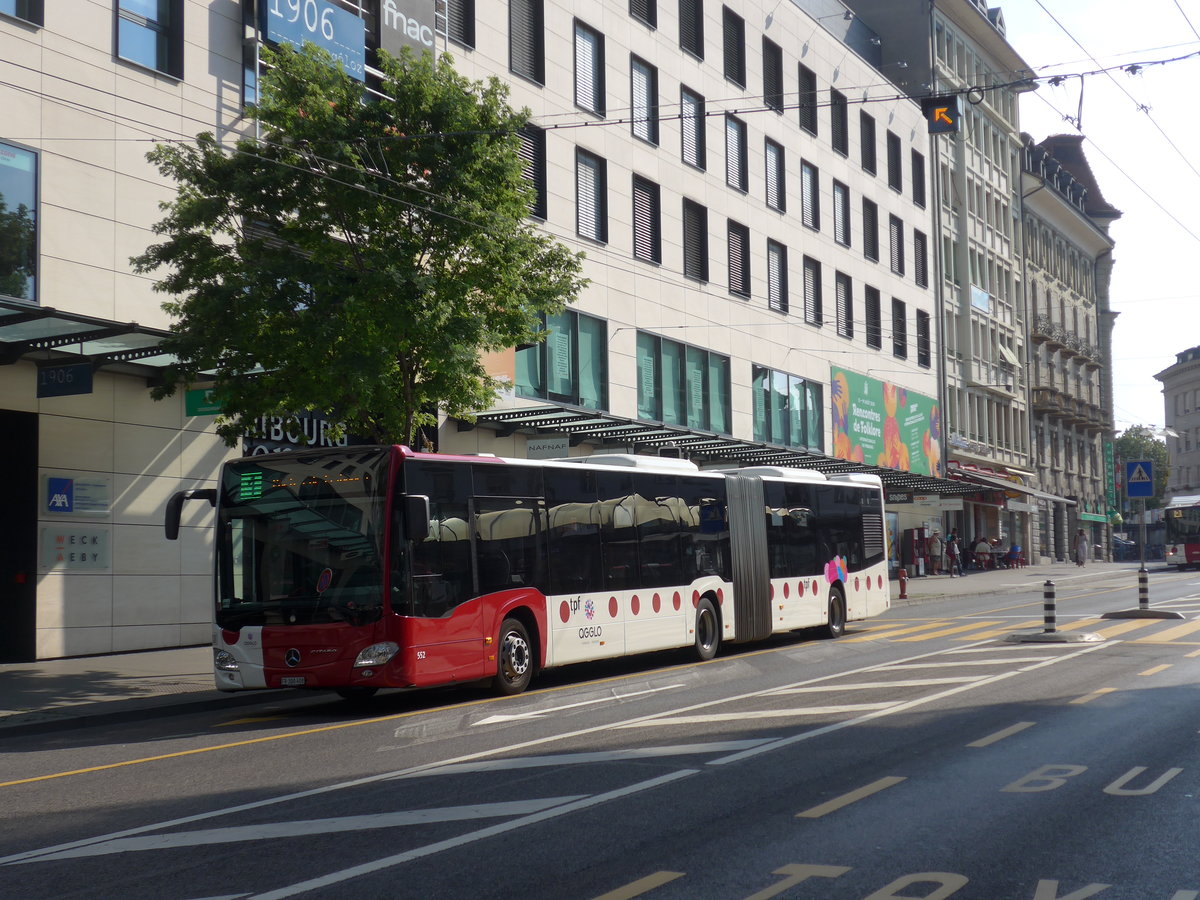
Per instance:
{"type": "Point", "coordinates": [1139, 482]}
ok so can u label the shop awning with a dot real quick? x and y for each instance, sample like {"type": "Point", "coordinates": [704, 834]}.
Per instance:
{"type": "Point", "coordinates": [632, 434]}
{"type": "Point", "coordinates": [1003, 484]}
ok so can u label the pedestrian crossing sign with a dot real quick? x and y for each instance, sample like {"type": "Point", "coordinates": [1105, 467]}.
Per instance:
{"type": "Point", "coordinates": [1139, 478]}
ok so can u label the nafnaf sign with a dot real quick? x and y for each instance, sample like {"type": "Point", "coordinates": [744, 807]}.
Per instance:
{"type": "Point", "coordinates": [335, 30]}
{"type": "Point", "coordinates": [406, 23]}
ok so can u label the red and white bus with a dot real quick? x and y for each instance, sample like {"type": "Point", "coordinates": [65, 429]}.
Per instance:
{"type": "Point", "coordinates": [1182, 517]}
{"type": "Point", "coordinates": [362, 568]}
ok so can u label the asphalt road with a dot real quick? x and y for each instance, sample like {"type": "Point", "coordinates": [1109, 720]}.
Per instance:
{"type": "Point", "coordinates": [921, 756]}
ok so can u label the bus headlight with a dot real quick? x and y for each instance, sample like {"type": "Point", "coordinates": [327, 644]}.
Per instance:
{"type": "Point", "coordinates": [224, 661]}
{"type": "Point", "coordinates": [376, 654]}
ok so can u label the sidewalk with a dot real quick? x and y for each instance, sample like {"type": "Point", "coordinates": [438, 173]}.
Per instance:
{"type": "Point", "coordinates": [127, 685]}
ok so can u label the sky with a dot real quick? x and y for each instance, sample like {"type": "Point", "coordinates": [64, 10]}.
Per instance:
{"type": "Point", "coordinates": [1142, 141]}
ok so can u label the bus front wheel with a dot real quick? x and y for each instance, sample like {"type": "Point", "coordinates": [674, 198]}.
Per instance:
{"type": "Point", "coordinates": [514, 668]}
{"type": "Point", "coordinates": [836, 626]}
{"type": "Point", "coordinates": [708, 630]}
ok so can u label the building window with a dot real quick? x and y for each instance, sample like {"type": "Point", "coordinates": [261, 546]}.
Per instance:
{"type": "Point", "coordinates": [460, 22]}
{"type": "Point", "coordinates": [645, 11]}
{"type": "Point", "coordinates": [918, 178]}
{"type": "Point", "coordinates": [808, 99]}
{"type": "Point", "coordinates": [839, 130]}
{"type": "Point", "coordinates": [899, 329]}
{"type": "Point", "coordinates": [841, 214]}
{"type": "Point", "coordinates": [894, 163]}
{"type": "Point", "coordinates": [18, 222]}
{"type": "Point", "coordinates": [737, 170]}
{"type": "Point", "coordinates": [644, 94]}
{"type": "Point", "coordinates": [923, 345]}
{"type": "Point", "coordinates": [739, 259]}
{"type": "Point", "coordinates": [533, 153]}
{"type": "Point", "coordinates": [526, 39]}
{"type": "Point", "coordinates": [734, 31]}
{"type": "Point", "coordinates": [776, 183]}
{"type": "Point", "coordinates": [695, 241]}
{"type": "Point", "coordinates": [874, 316]}
{"type": "Point", "coordinates": [570, 365]}
{"type": "Point", "coordinates": [921, 258]}
{"type": "Point", "coordinates": [896, 235]}
{"type": "Point", "coordinates": [810, 196]}
{"type": "Point", "coordinates": [682, 385]}
{"type": "Point", "coordinates": [150, 33]}
{"type": "Point", "coordinates": [812, 292]}
{"type": "Point", "coordinates": [691, 26]}
{"type": "Point", "coordinates": [870, 226]}
{"type": "Point", "coordinates": [845, 304]}
{"type": "Point", "coordinates": [647, 220]}
{"type": "Point", "coordinates": [589, 69]}
{"type": "Point", "coordinates": [866, 140]}
{"type": "Point", "coordinates": [591, 193]}
{"type": "Point", "coordinates": [772, 74]}
{"type": "Point", "coordinates": [788, 410]}
{"type": "Point", "coordinates": [32, 11]}
{"type": "Point", "coordinates": [777, 277]}
{"type": "Point", "coordinates": [691, 122]}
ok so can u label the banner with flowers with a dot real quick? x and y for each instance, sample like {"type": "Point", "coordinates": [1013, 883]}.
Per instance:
{"type": "Point", "coordinates": [881, 424]}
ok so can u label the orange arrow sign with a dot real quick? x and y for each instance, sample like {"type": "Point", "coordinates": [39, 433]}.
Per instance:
{"type": "Point", "coordinates": [939, 115]}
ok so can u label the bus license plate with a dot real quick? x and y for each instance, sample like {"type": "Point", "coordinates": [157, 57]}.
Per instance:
{"type": "Point", "coordinates": [292, 681]}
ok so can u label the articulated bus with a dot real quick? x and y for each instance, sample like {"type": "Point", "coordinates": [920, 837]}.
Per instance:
{"type": "Point", "coordinates": [1182, 516]}
{"type": "Point", "coordinates": [362, 568]}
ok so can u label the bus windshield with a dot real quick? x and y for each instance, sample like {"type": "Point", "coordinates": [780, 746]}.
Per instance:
{"type": "Point", "coordinates": [301, 539]}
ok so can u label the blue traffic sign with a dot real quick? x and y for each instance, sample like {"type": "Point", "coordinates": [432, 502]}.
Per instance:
{"type": "Point", "coordinates": [1139, 478]}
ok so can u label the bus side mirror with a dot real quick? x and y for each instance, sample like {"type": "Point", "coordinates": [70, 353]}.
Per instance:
{"type": "Point", "coordinates": [416, 517]}
{"type": "Point", "coordinates": [175, 505]}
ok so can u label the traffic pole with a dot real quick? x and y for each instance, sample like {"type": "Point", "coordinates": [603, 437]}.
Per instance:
{"type": "Point", "coordinates": [1048, 608]}
{"type": "Point", "coordinates": [1050, 633]}
{"type": "Point", "coordinates": [1143, 588]}
{"type": "Point", "coordinates": [1143, 610]}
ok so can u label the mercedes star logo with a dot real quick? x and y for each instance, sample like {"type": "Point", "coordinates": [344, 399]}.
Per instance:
{"type": "Point", "coordinates": [292, 658]}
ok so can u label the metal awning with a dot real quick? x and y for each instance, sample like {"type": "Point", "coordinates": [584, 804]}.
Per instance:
{"type": "Point", "coordinates": [1002, 484]}
{"type": "Point", "coordinates": [581, 424]}
{"type": "Point", "coordinates": [42, 333]}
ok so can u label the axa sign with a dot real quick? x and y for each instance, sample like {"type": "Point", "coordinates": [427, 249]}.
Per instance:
{"type": "Point", "coordinates": [406, 23]}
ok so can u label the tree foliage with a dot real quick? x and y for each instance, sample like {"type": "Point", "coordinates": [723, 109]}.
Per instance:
{"type": "Point", "coordinates": [18, 261]}
{"type": "Point", "coordinates": [1140, 442]}
{"type": "Point", "coordinates": [357, 259]}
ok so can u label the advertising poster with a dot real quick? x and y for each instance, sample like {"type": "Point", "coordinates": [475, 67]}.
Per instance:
{"type": "Point", "coordinates": [878, 423]}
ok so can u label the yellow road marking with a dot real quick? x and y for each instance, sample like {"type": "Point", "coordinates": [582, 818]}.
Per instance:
{"type": "Point", "coordinates": [1155, 670]}
{"type": "Point", "coordinates": [641, 886]}
{"type": "Point", "coordinates": [1192, 655]}
{"type": "Point", "coordinates": [1088, 698]}
{"type": "Point", "coordinates": [1170, 633]}
{"type": "Point", "coordinates": [888, 633]}
{"type": "Point", "coordinates": [1082, 623]}
{"type": "Point", "coordinates": [1125, 627]}
{"type": "Point", "coordinates": [945, 631]}
{"type": "Point", "coordinates": [996, 632]}
{"type": "Point", "coordinates": [1001, 735]}
{"type": "Point", "coordinates": [846, 799]}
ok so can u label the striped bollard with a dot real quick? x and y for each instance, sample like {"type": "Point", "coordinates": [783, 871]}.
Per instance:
{"type": "Point", "coordinates": [1051, 625]}
{"type": "Point", "coordinates": [1143, 588]}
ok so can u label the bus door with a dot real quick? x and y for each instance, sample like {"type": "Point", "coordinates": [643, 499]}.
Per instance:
{"type": "Point", "coordinates": [509, 535]}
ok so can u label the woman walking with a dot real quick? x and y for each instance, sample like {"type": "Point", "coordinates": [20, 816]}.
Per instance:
{"type": "Point", "coordinates": [1081, 547]}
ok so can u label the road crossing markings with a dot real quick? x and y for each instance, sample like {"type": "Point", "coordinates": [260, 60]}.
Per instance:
{"type": "Point", "coordinates": [837, 803]}
{"type": "Point", "coordinates": [996, 632]}
{"type": "Point", "coordinates": [1192, 655]}
{"type": "Point", "coordinates": [641, 886]}
{"type": "Point", "coordinates": [885, 633]}
{"type": "Point", "coordinates": [1126, 627]}
{"type": "Point", "coordinates": [1170, 634]}
{"type": "Point", "coordinates": [1081, 623]}
{"type": "Point", "coordinates": [1154, 670]}
{"type": "Point", "coordinates": [1088, 698]}
{"type": "Point", "coordinates": [959, 629]}
{"type": "Point", "coordinates": [1001, 735]}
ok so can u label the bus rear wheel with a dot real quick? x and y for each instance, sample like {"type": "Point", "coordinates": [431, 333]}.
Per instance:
{"type": "Point", "coordinates": [836, 626]}
{"type": "Point", "coordinates": [708, 630]}
{"type": "Point", "coordinates": [514, 666]}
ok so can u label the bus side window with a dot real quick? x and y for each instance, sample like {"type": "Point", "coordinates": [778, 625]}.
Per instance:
{"type": "Point", "coordinates": [658, 521]}
{"type": "Point", "coordinates": [573, 531]}
{"type": "Point", "coordinates": [618, 536]}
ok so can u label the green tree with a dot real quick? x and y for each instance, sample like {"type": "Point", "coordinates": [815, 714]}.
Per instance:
{"type": "Point", "coordinates": [1140, 442]}
{"type": "Point", "coordinates": [358, 258]}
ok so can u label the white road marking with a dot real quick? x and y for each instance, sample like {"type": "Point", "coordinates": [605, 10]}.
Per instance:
{"type": "Point", "coordinates": [764, 714]}
{"type": "Point", "coordinates": [538, 713]}
{"type": "Point", "coordinates": [307, 828]}
{"type": "Point", "coordinates": [864, 685]}
{"type": "Point", "coordinates": [961, 662]}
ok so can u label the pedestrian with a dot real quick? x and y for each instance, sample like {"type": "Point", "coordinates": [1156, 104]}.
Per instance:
{"type": "Point", "coordinates": [983, 553]}
{"type": "Point", "coordinates": [953, 554]}
{"type": "Point", "coordinates": [934, 550]}
{"type": "Point", "coordinates": [1081, 547]}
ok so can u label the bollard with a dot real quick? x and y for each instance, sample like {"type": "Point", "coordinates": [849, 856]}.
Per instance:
{"type": "Point", "coordinates": [903, 583]}
{"type": "Point", "coordinates": [1051, 625]}
{"type": "Point", "coordinates": [1143, 588]}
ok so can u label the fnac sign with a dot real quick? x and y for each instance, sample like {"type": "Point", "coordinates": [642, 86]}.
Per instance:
{"type": "Point", "coordinates": [406, 23]}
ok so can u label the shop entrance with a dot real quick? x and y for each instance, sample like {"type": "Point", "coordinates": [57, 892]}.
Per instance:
{"type": "Point", "coordinates": [18, 550]}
